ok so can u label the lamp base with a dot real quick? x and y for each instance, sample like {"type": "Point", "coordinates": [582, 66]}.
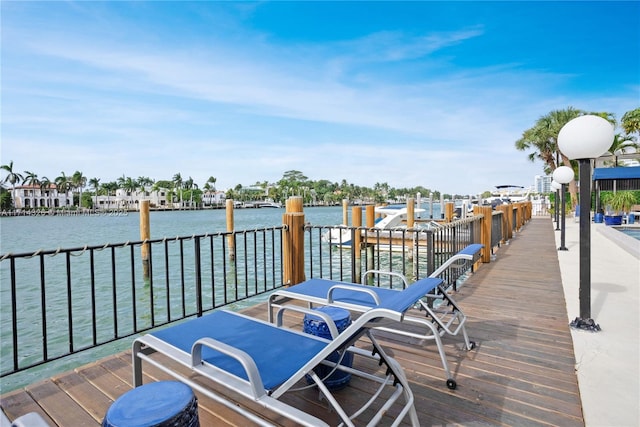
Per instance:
{"type": "Point", "coordinates": [585, 324]}
{"type": "Point", "coordinates": [562, 248]}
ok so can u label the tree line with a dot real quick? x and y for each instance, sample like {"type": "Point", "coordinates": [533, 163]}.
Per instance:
{"type": "Point", "coordinates": [179, 190]}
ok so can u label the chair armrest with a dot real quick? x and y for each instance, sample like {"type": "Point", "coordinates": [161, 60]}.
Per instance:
{"type": "Point", "coordinates": [333, 329]}
{"type": "Point", "coordinates": [245, 360]}
{"type": "Point", "coordinates": [384, 273]}
{"type": "Point", "coordinates": [365, 290]}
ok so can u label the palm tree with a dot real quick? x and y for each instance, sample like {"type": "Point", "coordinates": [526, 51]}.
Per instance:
{"type": "Point", "coordinates": [620, 145]}
{"type": "Point", "coordinates": [188, 185]}
{"type": "Point", "coordinates": [129, 185]}
{"type": "Point", "coordinates": [12, 177]}
{"type": "Point", "coordinates": [95, 184]}
{"type": "Point", "coordinates": [109, 187]}
{"type": "Point", "coordinates": [78, 182]}
{"type": "Point", "coordinates": [45, 184]}
{"type": "Point", "coordinates": [631, 121]}
{"type": "Point", "coordinates": [177, 183]}
{"type": "Point", "coordinates": [31, 179]}
{"type": "Point", "coordinates": [63, 184]}
{"type": "Point", "coordinates": [212, 180]}
{"type": "Point", "coordinates": [543, 139]}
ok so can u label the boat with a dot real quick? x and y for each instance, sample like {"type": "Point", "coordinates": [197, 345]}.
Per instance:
{"type": "Point", "coordinates": [393, 218]}
{"type": "Point", "coordinates": [506, 194]}
{"type": "Point", "coordinates": [267, 204]}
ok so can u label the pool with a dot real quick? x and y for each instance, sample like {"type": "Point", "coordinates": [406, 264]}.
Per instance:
{"type": "Point", "coordinates": [630, 231]}
{"type": "Point", "coordinates": [626, 236]}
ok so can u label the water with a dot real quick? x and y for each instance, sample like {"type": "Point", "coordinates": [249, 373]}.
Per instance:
{"type": "Point", "coordinates": [21, 235]}
{"type": "Point", "coordinates": [28, 234]}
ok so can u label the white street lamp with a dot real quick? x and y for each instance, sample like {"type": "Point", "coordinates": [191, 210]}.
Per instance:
{"type": "Point", "coordinates": [585, 138]}
{"type": "Point", "coordinates": [563, 175]}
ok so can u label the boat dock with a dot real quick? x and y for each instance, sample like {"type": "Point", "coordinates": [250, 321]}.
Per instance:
{"type": "Point", "coordinates": [525, 369]}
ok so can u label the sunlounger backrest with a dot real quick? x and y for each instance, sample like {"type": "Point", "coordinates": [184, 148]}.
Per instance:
{"type": "Point", "coordinates": [405, 299]}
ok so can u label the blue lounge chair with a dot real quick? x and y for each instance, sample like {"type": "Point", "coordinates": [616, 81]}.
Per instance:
{"type": "Point", "coordinates": [443, 315]}
{"type": "Point", "coordinates": [262, 361]}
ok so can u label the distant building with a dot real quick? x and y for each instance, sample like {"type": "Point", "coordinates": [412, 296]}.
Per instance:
{"type": "Point", "coordinates": [34, 196]}
{"type": "Point", "coordinates": [126, 199]}
{"type": "Point", "coordinates": [542, 184]}
{"type": "Point", "coordinates": [213, 198]}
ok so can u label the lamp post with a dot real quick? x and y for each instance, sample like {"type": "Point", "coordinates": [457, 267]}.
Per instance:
{"type": "Point", "coordinates": [585, 138]}
{"type": "Point", "coordinates": [556, 199]}
{"type": "Point", "coordinates": [556, 187]}
{"type": "Point", "coordinates": [563, 175]}
{"type": "Point", "coordinates": [557, 203]}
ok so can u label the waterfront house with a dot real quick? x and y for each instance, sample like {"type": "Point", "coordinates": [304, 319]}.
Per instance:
{"type": "Point", "coordinates": [34, 196]}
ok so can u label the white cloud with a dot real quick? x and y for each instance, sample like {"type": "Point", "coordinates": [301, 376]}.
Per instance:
{"type": "Point", "coordinates": [378, 108]}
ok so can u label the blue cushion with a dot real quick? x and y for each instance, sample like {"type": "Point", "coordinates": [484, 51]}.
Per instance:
{"type": "Point", "coordinates": [269, 346]}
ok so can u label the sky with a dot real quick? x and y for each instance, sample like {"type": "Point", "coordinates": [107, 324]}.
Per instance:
{"type": "Point", "coordinates": [430, 94]}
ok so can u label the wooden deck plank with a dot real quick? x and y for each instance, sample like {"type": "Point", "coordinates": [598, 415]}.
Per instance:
{"type": "Point", "coordinates": [19, 402]}
{"type": "Point", "coordinates": [83, 392]}
{"type": "Point", "coordinates": [522, 371]}
{"type": "Point", "coordinates": [60, 407]}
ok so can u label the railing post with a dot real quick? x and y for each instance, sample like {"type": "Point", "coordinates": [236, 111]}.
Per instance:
{"type": "Point", "coordinates": [145, 234]}
{"type": "Point", "coordinates": [356, 218]}
{"type": "Point", "coordinates": [505, 222]}
{"type": "Point", "coordinates": [230, 226]}
{"type": "Point", "coordinates": [485, 231]}
{"type": "Point", "coordinates": [198, 274]}
{"type": "Point", "coordinates": [370, 222]}
{"type": "Point", "coordinates": [293, 242]}
{"type": "Point", "coordinates": [509, 211]}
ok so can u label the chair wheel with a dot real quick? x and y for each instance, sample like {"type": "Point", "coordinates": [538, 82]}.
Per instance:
{"type": "Point", "coordinates": [472, 345]}
{"type": "Point", "coordinates": [451, 384]}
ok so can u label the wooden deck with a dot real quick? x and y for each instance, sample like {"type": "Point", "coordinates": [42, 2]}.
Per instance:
{"type": "Point", "coordinates": [520, 374]}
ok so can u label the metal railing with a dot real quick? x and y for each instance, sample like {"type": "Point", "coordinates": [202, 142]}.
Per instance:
{"type": "Point", "coordinates": [59, 302]}
{"type": "Point", "coordinates": [415, 253]}
{"type": "Point", "coordinates": [56, 303]}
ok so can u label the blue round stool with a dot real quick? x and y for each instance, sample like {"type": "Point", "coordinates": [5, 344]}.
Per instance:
{"type": "Point", "coordinates": [158, 404]}
{"type": "Point", "coordinates": [316, 326]}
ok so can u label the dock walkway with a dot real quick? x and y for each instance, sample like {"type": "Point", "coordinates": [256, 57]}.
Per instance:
{"type": "Point", "coordinates": [522, 372]}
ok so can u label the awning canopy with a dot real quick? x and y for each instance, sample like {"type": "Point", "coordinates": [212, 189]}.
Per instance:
{"type": "Point", "coordinates": [625, 178]}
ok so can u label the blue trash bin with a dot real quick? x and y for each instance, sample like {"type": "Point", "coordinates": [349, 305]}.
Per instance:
{"type": "Point", "coordinates": [316, 326]}
{"type": "Point", "coordinates": [158, 404]}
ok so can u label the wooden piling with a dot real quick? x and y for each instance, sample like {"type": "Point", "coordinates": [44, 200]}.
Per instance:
{"type": "Point", "coordinates": [411, 212]}
{"type": "Point", "coordinates": [370, 212]}
{"type": "Point", "coordinates": [231, 242]}
{"type": "Point", "coordinates": [448, 211]}
{"type": "Point", "coordinates": [145, 234]}
{"type": "Point", "coordinates": [345, 211]}
{"type": "Point", "coordinates": [293, 242]}
{"type": "Point", "coordinates": [294, 204]}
